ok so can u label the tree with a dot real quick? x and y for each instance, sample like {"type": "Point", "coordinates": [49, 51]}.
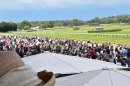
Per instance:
{"type": "Point", "coordinates": [96, 20]}
{"type": "Point", "coordinates": [42, 26]}
{"type": "Point", "coordinates": [20, 26]}
{"type": "Point", "coordinates": [26, 23]}
{"type": "Point", "coordinates": [7, 26]}
{"type": "Point", "coordinates": [0, 27]}
{"type": "Point", "coordinates": [26, 27]}
{"type": "Point", "coordinates": [4, 26]}
{"type": "Point", "coordinates": [51, 25]}
{"type": "Point", "coordinates": [76, 22]}
{"type": "Point", "coordinates": [48, 24]}
{"type": "Point", "coordinates": [59, 24]}
{"type": "Point", "coordinates": [12, 26]}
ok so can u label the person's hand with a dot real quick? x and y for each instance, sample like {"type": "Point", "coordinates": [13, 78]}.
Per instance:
{"type": "Point", "coordinates": [45, 76]}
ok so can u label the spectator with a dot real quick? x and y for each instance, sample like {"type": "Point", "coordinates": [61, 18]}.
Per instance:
{"type": "Point", "coordinates": [31, 45]}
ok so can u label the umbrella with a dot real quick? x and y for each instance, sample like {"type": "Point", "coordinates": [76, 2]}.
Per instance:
{"type": "Point", "coordinates": [103, 77]}
{"type": "Point", "coordinates": [65, 64]}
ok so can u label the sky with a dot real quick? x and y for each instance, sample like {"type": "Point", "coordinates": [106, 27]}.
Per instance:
{"type": "Point", "coordinates": [46, 10]}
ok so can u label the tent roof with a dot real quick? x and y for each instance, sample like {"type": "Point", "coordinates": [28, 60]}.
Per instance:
{"type": "Point", "coordinates": [96, 78]}
{"type": "Point", "coordinates": [65, 64]}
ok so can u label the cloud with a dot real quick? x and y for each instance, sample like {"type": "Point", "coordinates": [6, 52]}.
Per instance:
{"type": "Point", "coordinates": [40, 4]}
{"type": "Point", "coordinates": [108, 2]}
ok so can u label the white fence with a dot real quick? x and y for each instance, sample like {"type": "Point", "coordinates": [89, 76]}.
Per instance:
{"type": "Point", "coordinates": [121, 36]}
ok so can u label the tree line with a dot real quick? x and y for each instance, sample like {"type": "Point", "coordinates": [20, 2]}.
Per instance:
{"type": "Point", "coordinates": [76, 22]}
{"type": "Point", "coordinates": [111, 19]}
{"type": "Point", "coordinates": [7, 26]}
{"type": "Point", "coordinates": [50, 24]}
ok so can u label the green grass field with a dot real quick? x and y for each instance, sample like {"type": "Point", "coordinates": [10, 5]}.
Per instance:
{"type": "Point", "coordinates": [82, 34]}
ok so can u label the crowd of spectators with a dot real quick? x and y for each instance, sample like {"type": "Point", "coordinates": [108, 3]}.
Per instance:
{"type": "Point", "coordinates": [31, 45]}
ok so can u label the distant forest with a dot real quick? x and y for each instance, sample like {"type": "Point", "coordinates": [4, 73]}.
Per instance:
{"type": "Point", "coordinates": [76, 22]}
{"type": "Point", "coordinates": [9, 26]}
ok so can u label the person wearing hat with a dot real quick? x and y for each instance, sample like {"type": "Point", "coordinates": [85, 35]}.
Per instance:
{"type": "Point", "coordinates": [13, 72]}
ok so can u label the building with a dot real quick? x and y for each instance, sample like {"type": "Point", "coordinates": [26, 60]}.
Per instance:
{"type": "Point", "coordinates": [100, 29]}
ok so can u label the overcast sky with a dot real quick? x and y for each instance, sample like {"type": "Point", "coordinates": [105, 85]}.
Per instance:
{"type": "Point", "coordinates": [40, 10]}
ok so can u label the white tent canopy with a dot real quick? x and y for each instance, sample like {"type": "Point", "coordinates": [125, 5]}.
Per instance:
{"type": "Point", "coordinates": [96, 78]}
{"type": "Point", "coordinates": [64, 64]}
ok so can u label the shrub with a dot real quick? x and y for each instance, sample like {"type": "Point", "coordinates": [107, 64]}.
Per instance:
{"type": "Point", "coordinates": [114, 30]}
{"type": "Point", "coordinates": [76, 28]}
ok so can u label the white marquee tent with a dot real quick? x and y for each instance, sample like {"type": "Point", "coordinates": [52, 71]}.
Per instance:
{"type": "Point", "coordinates": [96, 78]}
{"type": "Point", "coordinates": [64, 64]}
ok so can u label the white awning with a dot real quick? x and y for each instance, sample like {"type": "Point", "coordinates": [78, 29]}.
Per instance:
{"type": "Point", "coordinates": [96, 78]}
{"type": "Point", "coordinates": [65, 64]}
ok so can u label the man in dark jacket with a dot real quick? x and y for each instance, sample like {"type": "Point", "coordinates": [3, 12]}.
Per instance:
{"type": "Point", "coordinates": [128, 57]}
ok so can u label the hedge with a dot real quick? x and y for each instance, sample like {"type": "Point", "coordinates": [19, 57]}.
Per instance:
{"type": "Point", "coordinates": [94, 24]}
{"type": "Point", "coordinates": [114, 30]}
{"type": "Point", "coordinates": [76, 28]}
{"type": "Point", "coordinates": [31, 30]}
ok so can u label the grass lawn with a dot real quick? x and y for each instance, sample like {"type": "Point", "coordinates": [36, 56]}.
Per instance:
{"type": "Point", "coordinates": [82, 34]}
